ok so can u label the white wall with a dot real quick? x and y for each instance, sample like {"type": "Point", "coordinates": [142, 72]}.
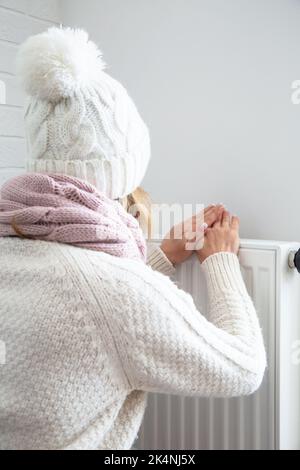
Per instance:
{"type": "Point", "coordinates": [212, 78]}
{"type": "Point", "coordinates": [18, 20]}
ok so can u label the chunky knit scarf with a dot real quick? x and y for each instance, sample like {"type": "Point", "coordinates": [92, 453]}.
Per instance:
{"type": "Point", "coordinates": [67, 210]}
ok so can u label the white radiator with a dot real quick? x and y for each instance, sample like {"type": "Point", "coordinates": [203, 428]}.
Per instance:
{"type": "Point", "coordinates": [270, 419]}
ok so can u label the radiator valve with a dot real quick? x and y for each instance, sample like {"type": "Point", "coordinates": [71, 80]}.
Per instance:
{"type": "Point", "coordinates": [294, 260]}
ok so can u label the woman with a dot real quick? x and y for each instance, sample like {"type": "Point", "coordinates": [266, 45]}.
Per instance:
{"type": "Point", "coordinates": [89, 328]}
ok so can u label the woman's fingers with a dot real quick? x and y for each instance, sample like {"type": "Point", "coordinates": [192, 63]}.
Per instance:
{"type": "Point", "coordinates": [209, 208]}
{"type": "Point", "coordinates": [212, 214]}
{"type": "Point", "coordinates": [213, 208]}
{"type": "Point", "coordinates": [235, 222]}
{"type": "Point", "coordinates": [220, 213]}
{"type": "Point", "coordinates": [225, 219]}
{"type": "Point", "coordinates": [209, 217]}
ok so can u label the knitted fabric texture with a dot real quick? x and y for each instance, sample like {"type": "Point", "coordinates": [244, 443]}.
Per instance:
{"type": "Point", "coordinates": [80, 121]}
{"type": "Point", "coordinates": [68, 210]}
{"type": "Point", "coordinates": [87, 335]}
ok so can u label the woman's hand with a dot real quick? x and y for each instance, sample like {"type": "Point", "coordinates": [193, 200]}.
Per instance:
{"type": "Point", "coordinates": [222, 236]}
{"type": "Point", "coordinates": [177, 245]}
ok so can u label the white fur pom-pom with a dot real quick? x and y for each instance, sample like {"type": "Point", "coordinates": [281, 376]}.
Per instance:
{"type": "Point", "coordinates": [55, 64]}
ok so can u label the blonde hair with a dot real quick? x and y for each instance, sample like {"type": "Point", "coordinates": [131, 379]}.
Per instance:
{"type": "Point", "coordinates": [138, 204]}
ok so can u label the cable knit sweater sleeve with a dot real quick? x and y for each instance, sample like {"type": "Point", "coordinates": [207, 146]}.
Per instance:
{"type": "Point", "coordinates": [167, 346]}
{"type": "Point", "coordinates": [158, 261]}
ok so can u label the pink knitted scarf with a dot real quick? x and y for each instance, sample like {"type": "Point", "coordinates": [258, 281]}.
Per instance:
{"type": "Point", "coordinates": [67, 210]}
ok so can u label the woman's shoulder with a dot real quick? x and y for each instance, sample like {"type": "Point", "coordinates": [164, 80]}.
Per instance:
{"type": "Point", "coordinates": [101, 269]}
{"type": "Point", "coordinates": [123, 269]}
{"type": "Point", "coordinates": [27, 251]}
{"type": "Point", "coordinates": [136, 279]}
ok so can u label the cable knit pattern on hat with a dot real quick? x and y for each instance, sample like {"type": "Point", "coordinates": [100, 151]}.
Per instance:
{"type": "Point", "coordinates": [80, 121]}
{"type": "Point", "coordinates": [87, 335]}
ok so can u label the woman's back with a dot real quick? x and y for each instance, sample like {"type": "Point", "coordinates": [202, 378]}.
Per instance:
{"type": "Point", "coordinates": [62, 382]}
{"type": "Point", "coordinates": [87, 334]}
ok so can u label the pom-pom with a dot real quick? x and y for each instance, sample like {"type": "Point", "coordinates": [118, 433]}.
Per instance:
{"type": "Point", "coordinates": [57, 63]}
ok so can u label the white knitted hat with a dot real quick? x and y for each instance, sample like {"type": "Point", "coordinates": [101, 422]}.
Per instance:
{"type": "Point", "coordinates": [80, 121]}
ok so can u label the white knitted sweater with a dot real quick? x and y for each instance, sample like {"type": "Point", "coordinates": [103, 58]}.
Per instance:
{"type": "Point", "coordinates": [87, 335]}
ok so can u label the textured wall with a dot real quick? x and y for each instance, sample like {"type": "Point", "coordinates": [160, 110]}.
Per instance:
{"type": "Point", "coordinates": [18, 20]}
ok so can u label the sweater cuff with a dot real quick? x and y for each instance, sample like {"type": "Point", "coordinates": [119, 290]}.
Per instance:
{"type": "Point", "coordinates": [223, 273]}
{"type": "Point", "coordinates": [158, 261]}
